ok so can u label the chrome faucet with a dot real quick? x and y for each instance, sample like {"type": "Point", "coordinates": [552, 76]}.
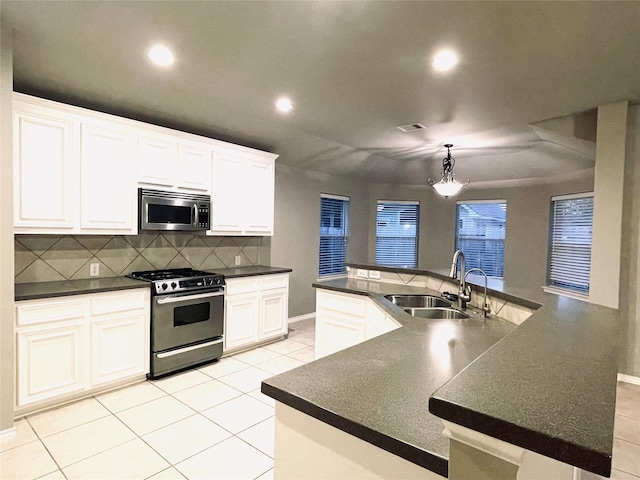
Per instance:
{"type": "Point", "coordinates": [486, 309]}
{"type": "Point", "coordinates": [464, 291]}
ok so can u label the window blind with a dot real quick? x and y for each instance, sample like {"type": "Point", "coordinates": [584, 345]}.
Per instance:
{"type": "Point", "coordinates": [480, 234]}
{"type": "Point", "coordinates": [570, 242]}
{"type": "Point", "coordinates": [397, 233]}
{"type": "Point", "coordinates": [334, 231]}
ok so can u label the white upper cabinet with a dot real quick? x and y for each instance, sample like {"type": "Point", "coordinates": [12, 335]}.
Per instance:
{"type": "Point", "coordinates": [173, 163]}
{"type": "Point", "coordinates": [108, 200]}
{"type": "Point", "coordinates": [242, 192]}
{"type": "Point", "coordinates": [157, 160]}
{"type": "Point", "coordinates": [76, 171]}
{"type": "Point", "coordinates": [43, 169]}
{"type": "Point", "coordinates": [194, 167]}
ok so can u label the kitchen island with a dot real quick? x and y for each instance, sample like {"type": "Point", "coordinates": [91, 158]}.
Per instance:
{"type": "Point", "coordinates": [548, 386]}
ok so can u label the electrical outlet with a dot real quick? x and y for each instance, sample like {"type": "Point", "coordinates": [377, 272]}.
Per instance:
{"type": "Point", "coordinates": [238, 260]}
{"type": "Point", "coordinates": [375, 274]}
{"type": "Point", "coordinates": [361, 273]}
{"type": "Point", "coordinates": [94, 269]}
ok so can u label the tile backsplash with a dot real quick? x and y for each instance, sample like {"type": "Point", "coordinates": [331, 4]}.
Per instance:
{"type": "Point", "coordinates": [46, 258]}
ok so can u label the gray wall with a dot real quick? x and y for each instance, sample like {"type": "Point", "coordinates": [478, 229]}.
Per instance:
{"type": "Point", "coordinates": [297, 228]}
{"type": "Point", "coordinates": [527, 225]}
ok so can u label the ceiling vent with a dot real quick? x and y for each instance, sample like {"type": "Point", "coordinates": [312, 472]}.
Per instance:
{"type": "Point", "coordinates": [412, 127]}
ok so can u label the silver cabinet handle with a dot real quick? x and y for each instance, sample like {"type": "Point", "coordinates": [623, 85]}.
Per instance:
{"type": "Point", "coordinates": [182, 298]}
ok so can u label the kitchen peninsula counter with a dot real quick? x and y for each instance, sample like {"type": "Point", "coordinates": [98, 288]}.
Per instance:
{"type": "Point", "coordinates": [547, 385]}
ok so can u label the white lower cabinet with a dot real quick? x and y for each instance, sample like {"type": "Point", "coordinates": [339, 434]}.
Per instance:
{"type": "Point", "coordinates": [118, 333]}
{"type": "Point", "coordinates": [241, 321]}
{"type": "Point", "coordinates": [50, 362]}
{"type": "Point", "coordinates": [344, 320]}
{"type": "Point", "coordinates": [71, 346]}
{"type": "Point", "coordinates": [256, 310]}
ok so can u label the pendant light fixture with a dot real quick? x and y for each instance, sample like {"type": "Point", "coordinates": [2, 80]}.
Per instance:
{"type": "Point", "coordinates": [448, 185]}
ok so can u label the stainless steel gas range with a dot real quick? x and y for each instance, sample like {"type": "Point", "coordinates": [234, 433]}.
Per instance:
{"type": "Point", "coordinates": [187, 318]}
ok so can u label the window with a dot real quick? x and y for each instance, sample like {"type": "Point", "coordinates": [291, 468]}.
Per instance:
{"type": "Point", "coordinates": [397, 233]}
{"type": "Point", "coordinates": [480, 234]}
{"type": "Point", "coordinates": [570, 242]}
{"type": "Point", "coordinates": [334, 230]}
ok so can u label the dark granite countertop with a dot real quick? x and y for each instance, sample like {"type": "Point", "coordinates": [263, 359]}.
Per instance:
{"type": "Point", "coordinates": [379, 390]}
{"type": "Point", "coordinates": [32, 291]}
{"type": "Point", "coordinates": [250, 271]}
{"type": "Point", "coordinates": [548, 386]}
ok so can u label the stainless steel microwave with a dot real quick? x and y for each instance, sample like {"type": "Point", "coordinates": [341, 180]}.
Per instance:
{"type": "Point", "coordinates": [163, 210]}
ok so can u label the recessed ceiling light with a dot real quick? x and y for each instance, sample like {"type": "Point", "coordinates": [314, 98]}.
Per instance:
{"type": "Point", "coordinates": [284, 105]}
{"type": "Point", "coordinates": [444, 61]}
{"type": "Point", "coordinates": [161, 56]}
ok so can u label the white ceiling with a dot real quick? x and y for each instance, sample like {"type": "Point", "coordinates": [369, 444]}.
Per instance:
{"type": "Point", "coordinates": [355, 70]}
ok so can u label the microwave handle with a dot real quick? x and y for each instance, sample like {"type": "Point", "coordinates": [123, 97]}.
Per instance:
{"type": "Point", "coordinates": [195, 215]}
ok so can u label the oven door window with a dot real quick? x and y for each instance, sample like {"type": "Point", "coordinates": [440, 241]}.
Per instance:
{"type": "Point", "coordinates": [190, 314]}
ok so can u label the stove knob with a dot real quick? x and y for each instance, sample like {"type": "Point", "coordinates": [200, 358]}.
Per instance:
{"type": "Point", "coordinates": [164, 286]}
{"type": "Point", "coordinates": [173, 285]}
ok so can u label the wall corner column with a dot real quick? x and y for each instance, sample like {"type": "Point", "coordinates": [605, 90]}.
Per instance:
{"type": "Point", "coordinates": [7, 368]}
{"type": "Point", "coordinates": [606, 245]}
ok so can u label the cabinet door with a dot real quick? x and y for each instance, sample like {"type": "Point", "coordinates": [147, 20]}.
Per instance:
{"type": "Point", "coordinates": [228, 200]}
{"type": "Point", "coordinates": [49, 362]}
{"type": "Point", "coordinates": [336, 332]}
{"type": "Point", "coordinates": [43, 171]}
{"type": "Point", "coordinates": [194, 168]}
{"type": "Point", "coordinates": [241, 325]}
{"type": "Point", "coordinates": [157, 160]}
{"type": "Point", "coordinates": [118, 347]}
{"type": "Point", "coordinates": [273, 313]}
{"type": "Point", "coordinates": [108, 182]}
{"type": "Point", "coordinates": [259, 184]}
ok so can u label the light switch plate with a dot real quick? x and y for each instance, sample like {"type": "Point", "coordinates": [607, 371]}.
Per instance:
{"type": "Point", "coordinates": [238, 260]}
{"type": "Point", "coordinates": [375, 274]}
{"type": "Point", "coordinates": [360, 273]}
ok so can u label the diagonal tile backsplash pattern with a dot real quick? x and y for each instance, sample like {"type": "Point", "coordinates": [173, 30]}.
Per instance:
{"type": "Point", "coordinates": [46, 258]}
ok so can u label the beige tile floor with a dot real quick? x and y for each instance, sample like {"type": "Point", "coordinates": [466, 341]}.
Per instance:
{"type": "Point", "coordinates": [207, 423]}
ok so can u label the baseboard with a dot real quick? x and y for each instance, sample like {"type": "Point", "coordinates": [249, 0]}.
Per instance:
{"type": "Point", "coordinates": [628, 379]}
{"type": "Point", "coordinates": [306, 316]}
{"type": "Point", "coordinates": [8, 433]}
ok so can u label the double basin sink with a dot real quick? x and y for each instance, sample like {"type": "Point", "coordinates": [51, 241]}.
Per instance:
{"type": "Point", "coordinates": [426, 306]}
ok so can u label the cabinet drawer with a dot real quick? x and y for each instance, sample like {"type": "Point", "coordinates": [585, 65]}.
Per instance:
{"type": "Point", "coordinates": [118, 302]}
{"type": "Point", "coordinates": [342, 303]}
{"type": "Point", "coordinates": [32, 313]}
{"type": "Point", "coordinates": [269, 282]}
{"type": "Point", "coordinates": [242, 285]}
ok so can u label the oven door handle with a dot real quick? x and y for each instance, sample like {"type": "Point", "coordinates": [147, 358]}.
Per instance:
{"type": "Point", "coordinates": [182, 298]}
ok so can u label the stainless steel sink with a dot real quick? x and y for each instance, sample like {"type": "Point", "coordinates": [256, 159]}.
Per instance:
{"type": "Point", "coordinates": [437, 312]}
{"type": "Point", "coordinates": [418, 301]}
